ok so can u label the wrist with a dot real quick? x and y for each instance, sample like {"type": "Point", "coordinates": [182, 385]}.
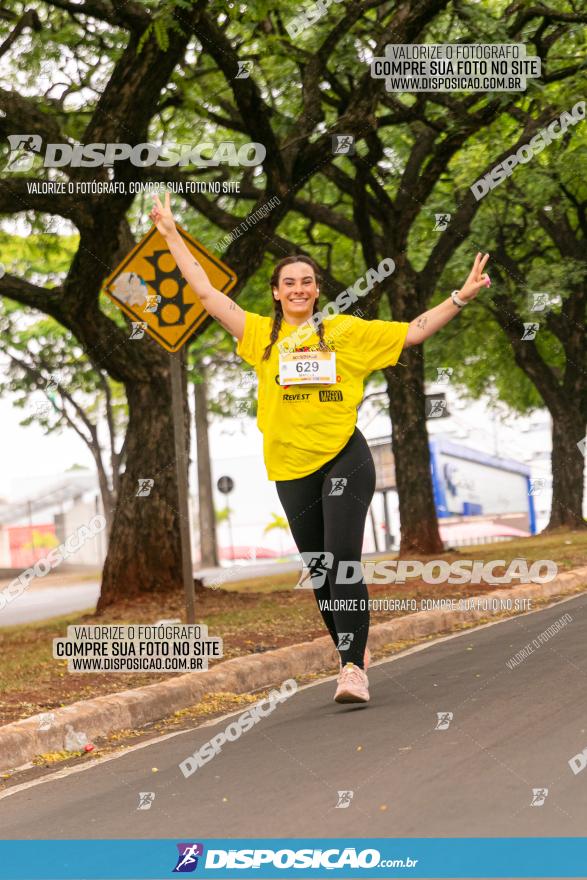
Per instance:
{"type": "Point", "coordinates": [457, 299]}
{"type": "Point", "coordinates": [172, 236]}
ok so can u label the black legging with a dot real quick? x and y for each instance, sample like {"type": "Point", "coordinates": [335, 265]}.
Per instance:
{"type": "Point", "coordinates": [322, 520]}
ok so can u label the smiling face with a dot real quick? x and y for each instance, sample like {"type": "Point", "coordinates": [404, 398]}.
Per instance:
{"type": "Point", "coordinates": [297, 292]}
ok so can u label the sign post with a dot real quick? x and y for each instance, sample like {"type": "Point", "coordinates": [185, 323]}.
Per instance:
{"type": "Point", "coordinates": [225, 485]}
{"type": "Point", "coordinates": [149, 288]}
{"type": "Point", "coordinates": [181, 466]}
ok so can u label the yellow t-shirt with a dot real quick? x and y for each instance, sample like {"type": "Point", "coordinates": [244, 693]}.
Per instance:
{"type": "Point", "coordinates": [305, 426]}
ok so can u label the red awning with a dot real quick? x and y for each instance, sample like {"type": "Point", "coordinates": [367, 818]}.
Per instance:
{"type": "Point", "coordinates": [470, 530]}
{"type": "Point", "coordinates": [247, 553]}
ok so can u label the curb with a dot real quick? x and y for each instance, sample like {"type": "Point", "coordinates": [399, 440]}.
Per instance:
{"type": "Point", "coordinates": [21, 741]}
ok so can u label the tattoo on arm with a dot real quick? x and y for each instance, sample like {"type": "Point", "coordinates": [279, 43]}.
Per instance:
{"type": "Point", "coordinates": [421, 322]}
{"type": "Point", "coordinates": [233, 306]}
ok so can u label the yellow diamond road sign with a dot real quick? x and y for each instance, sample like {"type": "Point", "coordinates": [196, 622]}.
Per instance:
{"type": "Point", "coordinates": [150, 289]}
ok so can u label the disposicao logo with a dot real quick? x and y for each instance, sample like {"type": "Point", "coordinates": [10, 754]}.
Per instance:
{"type": "Point", "coordinates": [187, 859]}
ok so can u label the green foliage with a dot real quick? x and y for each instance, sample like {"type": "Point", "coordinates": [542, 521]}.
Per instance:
{"type": "Point", "coordinates": [39, 255]}
{"type": "Point", "coordinates": [163, 21]}
{"type": "Point", "coordinates": [509, 217]}
{"type": "Point", "coordinates": [224, 514]}
{"type": "Point", "coordinates": [59, 379]}
{"type": "Point", "coordinates": [278, 522]}
{"type": "Point", "coordinates": [39, 540]}
{"type": "Point", "coordinates": [198, 97]}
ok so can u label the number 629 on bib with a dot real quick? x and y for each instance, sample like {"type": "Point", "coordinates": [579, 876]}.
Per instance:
{"type": "Point", "coordinates": [307, 367]}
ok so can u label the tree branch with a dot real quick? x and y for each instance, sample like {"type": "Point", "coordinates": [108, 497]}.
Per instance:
{"type": "Point", "coordinates": [127, 14]}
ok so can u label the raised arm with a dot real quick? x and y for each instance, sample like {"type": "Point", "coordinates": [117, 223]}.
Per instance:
{"type": "Point", "coordinates": [429, 322]}
{"type": "Point", "coordinates": [218, 304]}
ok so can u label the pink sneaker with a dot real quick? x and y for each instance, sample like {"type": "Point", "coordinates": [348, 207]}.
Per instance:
{"type": "Point", "coordinates": [353, 685]}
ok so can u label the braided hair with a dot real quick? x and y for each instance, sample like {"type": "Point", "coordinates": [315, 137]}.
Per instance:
{"type": "Point", "coordinates": [278, 308]}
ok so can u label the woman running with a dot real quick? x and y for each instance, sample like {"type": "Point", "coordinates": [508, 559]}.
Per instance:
{"type": "Point", "coordinates": [310, 383]}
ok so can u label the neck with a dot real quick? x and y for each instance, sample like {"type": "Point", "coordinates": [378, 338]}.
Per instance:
{"type": "Point", "coordinates": [296, 320]}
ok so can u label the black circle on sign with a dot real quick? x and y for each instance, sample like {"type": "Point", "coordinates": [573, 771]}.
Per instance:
{"type": "Point", "coordinates": [225, 485]}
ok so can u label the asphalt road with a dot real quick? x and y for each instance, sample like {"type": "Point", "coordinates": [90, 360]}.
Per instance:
{"type": "Point", "coordinates": [512, 731]}
{"type": "Point", "coordinates": [41, 601]}
{"type": "Point", "coordinates": [47, 602]}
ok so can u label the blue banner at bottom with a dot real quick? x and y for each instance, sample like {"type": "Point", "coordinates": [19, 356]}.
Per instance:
{"type": "Point", "coordinates": [368, 858]}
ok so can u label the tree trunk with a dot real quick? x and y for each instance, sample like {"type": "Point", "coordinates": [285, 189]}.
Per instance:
{"type": "Point", "coordinates": [140, 560]}
{"type": "Point", "coordinates": [419, 526]}
{"type": "Point", "coordinates": [108, 502]}
{"type": "Point", "coordinates": [207, 516]}
{"type": "Point", "coordinates": [568, 428]}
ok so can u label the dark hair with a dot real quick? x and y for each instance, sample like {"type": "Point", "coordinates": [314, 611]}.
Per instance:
{"type": "Point", "coordinates": [278, 308]}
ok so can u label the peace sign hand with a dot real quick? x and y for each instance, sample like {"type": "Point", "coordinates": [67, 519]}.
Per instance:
{"type": "Point", "coordinates": [162, 217]}
{"type": "Point", "coordinates": [476, 279]}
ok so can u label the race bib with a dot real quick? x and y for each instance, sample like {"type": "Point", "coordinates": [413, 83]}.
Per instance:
{"type": "Point", "coordinates": [307, 367]}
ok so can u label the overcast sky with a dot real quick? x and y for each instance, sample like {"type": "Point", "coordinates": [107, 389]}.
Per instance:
{"type": "Point", "coordinates": [29, 453]}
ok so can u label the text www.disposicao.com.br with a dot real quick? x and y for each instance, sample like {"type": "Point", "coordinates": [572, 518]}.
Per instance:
{"type": "Point", "coordinates": [135, 664]}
